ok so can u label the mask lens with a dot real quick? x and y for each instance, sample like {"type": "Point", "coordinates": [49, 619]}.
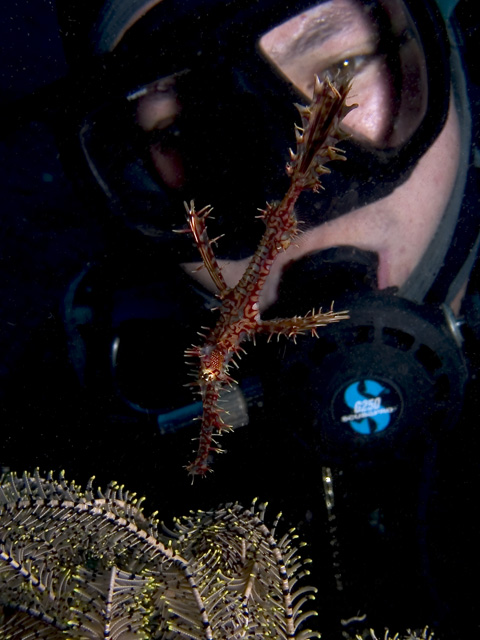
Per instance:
{"type": "Point", "coordinates": [189, 126]}
{"type": "Point", "coordinates": [133, 148]}
{"type": "Point", "coordinates": [377, 43]}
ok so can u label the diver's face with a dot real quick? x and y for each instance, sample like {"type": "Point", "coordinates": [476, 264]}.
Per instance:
{"type": "Point", "coordinates": [327, 37]}
{"type": "Point", "coordinates": [398, 227]}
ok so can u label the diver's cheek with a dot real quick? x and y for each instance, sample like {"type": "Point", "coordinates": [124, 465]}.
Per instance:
{"type": "Point", "coordinates": [418, 206]}
{"type": "Point", "coordinates": [169, 166]}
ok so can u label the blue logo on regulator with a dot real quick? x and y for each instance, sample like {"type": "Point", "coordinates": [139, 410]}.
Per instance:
{"type": "Point", "coordinates": [373, 406]}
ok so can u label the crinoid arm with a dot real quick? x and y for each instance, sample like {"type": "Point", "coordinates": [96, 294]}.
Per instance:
{"type": "Point", "coordinates": [83, 562]}
{"type": "Point", "coordinates": [422, 634]}
{"type": "Point", "coordinates": [261, 574]}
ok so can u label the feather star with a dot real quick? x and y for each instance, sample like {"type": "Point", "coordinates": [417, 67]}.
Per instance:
{"type": "Point", "coordinates": [89, 565]}
{"type": "Point", "coordinates": [239, 313]}
{"type": "Point", "coordinates": [85, 564]}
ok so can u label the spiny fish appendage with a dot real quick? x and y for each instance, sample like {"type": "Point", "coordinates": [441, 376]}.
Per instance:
{"type": "Point", "coordinates": [239, 313]}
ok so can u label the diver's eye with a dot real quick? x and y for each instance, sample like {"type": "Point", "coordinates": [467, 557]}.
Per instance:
{"type": "Point", "coordinates": [354, 64]}
{"type": "Point", "coordinates": [167, 136]}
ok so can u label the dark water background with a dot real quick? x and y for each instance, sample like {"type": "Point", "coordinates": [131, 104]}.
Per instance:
{"type": "Point", "coordinates": [46, 234]}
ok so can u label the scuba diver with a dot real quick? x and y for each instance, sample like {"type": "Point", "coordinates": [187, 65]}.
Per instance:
{"type": "Point", "coordinates": [362, 436]}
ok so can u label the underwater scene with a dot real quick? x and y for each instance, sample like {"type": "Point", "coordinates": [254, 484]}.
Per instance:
{"type": "Point", "coordinates": [240, 320]}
